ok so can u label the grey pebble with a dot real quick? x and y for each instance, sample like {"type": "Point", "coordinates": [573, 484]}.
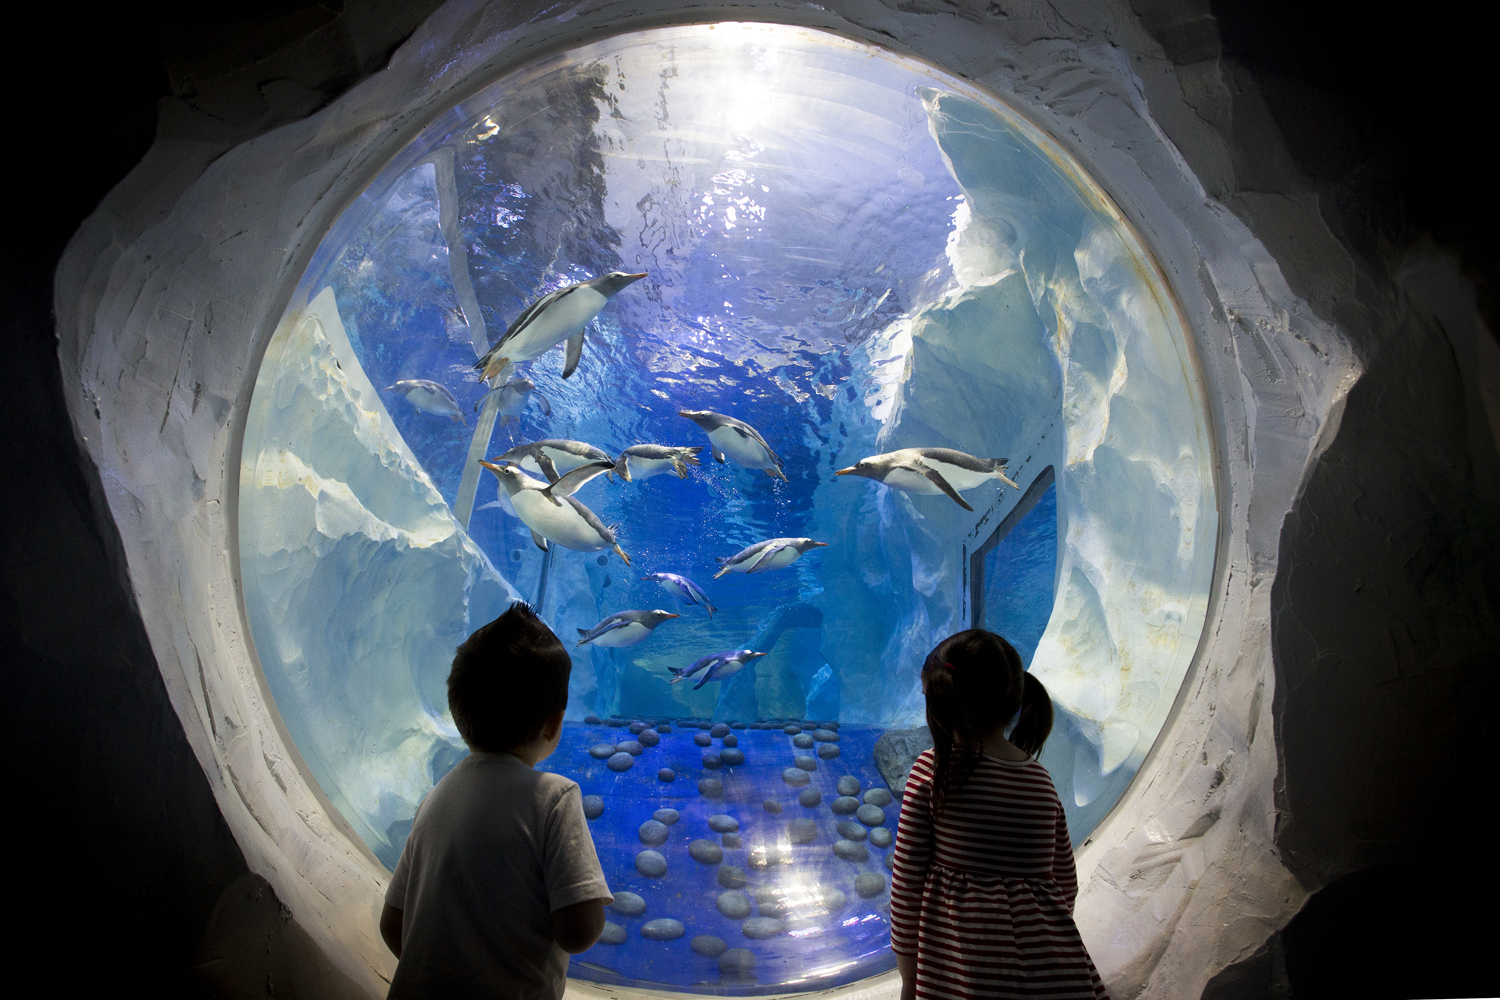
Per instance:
{"type": "Point", "coordinates": [667, 929]}
{"type": "Point", "coordinates": [802, 741]}
{"type": "Point", "coordinates": [828, 751]}
{"type": "Point", "coordinates": [850, 830]}
{"type": "Point", "coordinates": [637, 727]}
{"type": "Point", "coordinates": [737, 962]}
{"type": "Point", "coordinates": [734, 905]}
{"type": "Point", "coordinates": [736, 725]}
{"type": "Point", "coordinates": [649, 738]}
{"type": "Point", "coordinates": [771, 902]}
{"type": "Point", "coordinates": [711, 788]}
{"type": "Point", "coordinates": [869, 885]}
{"type": "Point", "coordinates": [848, 785]}
{"type": "Point", "coordinates": [849, 850]}
{"type": "Point", "coordinates": [890, 861]}
{"type": "Point", "coordinates": [881, 837]}
{"type": "Point", "coordinates": [653, 833]}
{"type": "Point", "coordinates": [704, 852]}
{"type": "Point", "coordinates": [761, 928]}
{"type": "Point", "coordinates": [602, 751]}
{"type": "Point", "coordinates": [870, 815]}
{"type": "Point", "coordinates": [825, 736]}
{"type": "Point", "coordinates": [666, 816]}
{"type": "Point", "coordinates": [844, 805]}
{"type": "Point", "coordinates": [666, 774]}
{"type": "Point", "coordinates": [720, 823]}
{"type": "Point", "coordinates": [792, 730]}
{"type": "Point", "coordinates": [703, 740]}
{"type": "Point", "coordinates": [621, 762]}
{"type": "Point", "coordinates": [592, 720]}
{"type": "Point", "coordinates": [769, 856]}
{"type": "Point", "coordinates": [732, 841]}
{"type": "Point", "coordinates": [663, 728]}
{"type": "Point", "coordinates": [651, 864]}
{"type": "Point", "coordinates": [878, 797]}
{"type": "Point", "coordinates": [613, 934]}
{"type": "Point", "coordinates": [709, 946]}
{"type": "Point", "coordinates": [834, 901]}
{"type": "Point", "coordinates": [731, 877]}
{"type": "Point", "coordinates": [810, 797]}
{"type": "Point", "coordinates": [712, 761]}
{"type": "Point", "coordinates": [629, 904]}
{"type": "Point", "coordinates": [731, 740]}
{"type": "Point", "coordinates": [593, 806]}
{"type": "Point", "coordinates": [732, 757]}
{"type": "Point", "coordinates": [807, 763]}
{"type": "Point", "coordinates": [792, 775]}
{"type": "Point", "coordinates": [802, 831]}
{"type": "Point", "coordinates": [632, 747]}
{"type": "Point", "coordinates": [719, 731]}
{"type": "Point", "coordinates": [771, 806]}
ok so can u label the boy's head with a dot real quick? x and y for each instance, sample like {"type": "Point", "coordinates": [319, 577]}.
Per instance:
{"type": "Point", "coordinates": [508, 679]}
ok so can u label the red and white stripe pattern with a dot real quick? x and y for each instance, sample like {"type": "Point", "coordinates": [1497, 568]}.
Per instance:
{"type": "Point", "coordinates": [983, 896]}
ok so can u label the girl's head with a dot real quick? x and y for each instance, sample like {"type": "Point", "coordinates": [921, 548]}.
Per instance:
{"type": "Point", "coordinates": [975, 685]}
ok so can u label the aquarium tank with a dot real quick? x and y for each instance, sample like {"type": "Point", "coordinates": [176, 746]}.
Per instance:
{"type": "Point", "coordinates": [851, 254]}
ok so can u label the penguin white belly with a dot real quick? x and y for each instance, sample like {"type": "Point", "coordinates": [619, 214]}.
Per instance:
{"type": "Point", "coordinates": [564, 461]}
{"type": "Point", "coordinates": [430, 402]}
{"type": "Point", "coordinates": [557, 322]}
{"type": "Point", "coordinates": [727, 670]}
{"type": "Point", "coordinates": [910, 482]}
{"type": "Point", "coordinates": [645, 468]}
{"type": "Point", "coordinates": [672, 588]}
{"type": "Point", "coordinates": [625, 635]}
{"type": "Point", "coordinates": [958, 477]}
{"type": "Point", "coordinates": [777, 560]}
{"type": "Point", "coordinates": [558, 523]}
{"type": "Point", "coordinates": [740, 449]}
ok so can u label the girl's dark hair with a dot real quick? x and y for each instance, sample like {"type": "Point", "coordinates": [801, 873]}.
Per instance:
{"type": "Point", "coordinates": [507, 680]}
{"type": "Point", "coordinates": [975, 684]}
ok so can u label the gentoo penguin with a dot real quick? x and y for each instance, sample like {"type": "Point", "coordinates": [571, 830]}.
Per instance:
{"type": "Point", "coordinates": [624, 628]}
{"type": "Point", "coordinates": [773, 553]}
{"type": "Point", "coordinates": [554, 457]}
{"type": "Point", "coordinates": [566, 485]}
{"type": "Point", "coordinates": [642, 461]}
{"type": "Point", "coordinates": [930, 471]}
{"type": "Point", "coordinates": [683, 589]}
{"type": "Point", "coordinates": [737, 440]}
{"type": "Point", "coordinates": [429, 397]}
{"type": "Point", "coordinates": [552, 514]}
{"type": "Point", "coordinates": [716, 667]}
{"type": "Point", "coordinates": [513, 397]}
{"type": "Point", "coordinates": [550, 320]}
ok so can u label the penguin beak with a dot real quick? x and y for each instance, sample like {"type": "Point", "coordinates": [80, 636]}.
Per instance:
{"type": "Point", "coordinates": [818, 545]}
{"type": "Point", "coordinates": [754, 655]}
{"type": "Point", "coordinates": [665, 617]}
{"type": "Point", "coordinates": [846, 472]}
{"type": "Point", "coordinates": [491, 466]}
{"type": "Point", "coordinates": [635, 277]}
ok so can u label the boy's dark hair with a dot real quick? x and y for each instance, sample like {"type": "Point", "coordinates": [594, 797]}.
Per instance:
{"type": "Point", "coordinates": [507, 679]}
{"type": "Point", "coordinates": [976, 682]}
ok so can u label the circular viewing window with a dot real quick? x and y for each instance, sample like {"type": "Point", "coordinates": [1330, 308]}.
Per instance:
{"type": "Point", "coordinates": [853, 254]}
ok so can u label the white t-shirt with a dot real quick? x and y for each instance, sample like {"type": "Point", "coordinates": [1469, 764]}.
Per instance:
{"type": "Point", "coordinates": [494, 849]}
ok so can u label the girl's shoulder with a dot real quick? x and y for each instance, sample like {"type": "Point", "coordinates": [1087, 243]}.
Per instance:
{"type": "Point", "coordinates": [924, 766]}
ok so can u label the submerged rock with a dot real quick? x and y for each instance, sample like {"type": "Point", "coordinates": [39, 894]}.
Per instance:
{"type": "Point", "coordinates": [637, 727]}
{"type": "Point", "coordinates": [761, 928]}
{"type": "Point", "coordinates": [720, 823]}
{"type": "Point", "coordinates": [613, 934]}
{"type": "Point", "coordinates": [878, 797]}
{"type": "Point", "coordinates": [850, 830]}
{"type": "Point", "coordinates": [592, 720]}
{"type": "Point", "coordinates": [632, 747]}
{"type": "Point", "coordinates": [737, 962]}
{"type": "Point", "coordinates": [730, 741]}
{"type": "Point", "coordinates": [719, 731]}
{"type": "Point", "coordinates": [795, 776]}
{"type": "Point", "coordinates": [896, 751]}
{"type": "Point", "coordinates": [825, 736]}
{"type": "Point", "coordinates": [802, 831]}
{"type": "Point", "coordinates": [834, 900]}
{"type": "Point", "coordinates": [663, 728]}
{"type": "Point", "coordinates": [593, 806]}
{"type": "Point", "coordinates": [732, 757]}
{"type": "Point", "coordinates": [881, 837]}
{"type": "Point", "coordinates": [890, 861]}
{"type": "Point", "coordinates": [703, 740]}
{"type": "Point", "coordinates": [869, 885]}
{"type": "Point", "coordinates": [771, 902]}
{"type": "Point", "coordinates": [653, 832]}
{"type": "Point", "coordinates": [731, 877]}
{"type": "Point", "coordinates": [704, 852]}
{"type": "Point", "coordinates": [734, 905]}
{"type": "Point", "coordinates": [848, 785]}
{"type": "Point", "coordinates": [802, 742]}
{"type": "Point", "coordinates": [712, 761]}
{"type": "Point", "coordinates": [792, 730]}
{"type": "Point", "coordinates": [666, 774]}
{"type": "Point", "coordinates": [845, 805]}
{"type": "Point", "coordinates": [807, 763]}
{"type": "Point", "coordinates": [731, 841]}
{"type": "Point", "coordinates": [828, 751]}
{"type": "Point", "coordinates": [621, 762]}
{"type": "Point", "coordinates": [709, 946]}
{"type": "Point", "coordinates": [666, 816]}
{"type": "Point", "coordinates": [870, 815]}
{"type": "Point", "coordinates": [810, 797]}
{"type": "Point", "coordinates": [651, 864]}
{"type": "Point", "coordinates": [736, 725]}
{"type": "Point", "coordinates": [711, 788]}
{"type": "Point", "coordinates": [628, 903]}
{"type": "Point", "coordinates": [771, 806]}
{"type": "Point", "coordinates": [602, 751]}
{"type": "Point", "coordinates": [649, 738]}
{"type": "Point", "coordinates": [666, 929]}
{"type": "Point", "coordinates": [848, 850]}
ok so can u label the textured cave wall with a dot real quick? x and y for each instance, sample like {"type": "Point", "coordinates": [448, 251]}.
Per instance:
{"type": "Point", "coordinates": [1382, 589]}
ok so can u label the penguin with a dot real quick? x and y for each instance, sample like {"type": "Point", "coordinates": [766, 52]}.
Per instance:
{"type": "Point", "coordinates": [716, 667]}
{"type": "Point", "coordinates": [773, 553]}
{"type": "Point", "coordinates": [551, 512]}
{"type": "Point", "coordinates": [554, 457]}
{"type": "Point", "coordinates": [550, 320]}
{"type": "Point", "coordinates": [683, 589]}
{"type": "Point", "coordinates": [930, 471]}
{"type": "Point", "coordinates": [625, 628]}
{"type": "Point", "coordinates": [642, 461]}
{"type": "Point", "coordinates": [429, 397]}
{"type": "Point", "coordinates": [737, 440]}
{"type": "Point", "coordinates": [513, 397]}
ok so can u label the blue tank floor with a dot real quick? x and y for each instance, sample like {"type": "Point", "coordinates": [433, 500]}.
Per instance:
{"type": "Point", "coordinates": [822, 944]}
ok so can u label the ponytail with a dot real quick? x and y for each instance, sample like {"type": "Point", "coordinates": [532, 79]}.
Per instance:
{"type": "Point", "coordinates": [1034, 720]}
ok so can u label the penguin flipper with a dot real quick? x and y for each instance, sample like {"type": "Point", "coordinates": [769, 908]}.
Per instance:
{"type": "Point", "coordinates": [575, 351]}
{"type": "Point", "coordinates": [766, 553]}
{"type": "Point", "coordinates": [546, 406]}
{"type": "Point", "coordinates": [492, 503]}
{"type": "Point", "coordinates": [681, 469]}
{"type": "Point", "coordinates": [548, 468]}
{"type": "Point", "coordinates": [539, 541]}
{"type": "Point", "coordinates": [936, 478]}
{"type": "Point", "coordinates": [719, 456]}
{"type": "Point", "coordinates": [566, 486]}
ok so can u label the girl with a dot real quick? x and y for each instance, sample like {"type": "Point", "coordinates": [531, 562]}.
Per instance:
{"type": "Point", "coordinates": [983, 885]}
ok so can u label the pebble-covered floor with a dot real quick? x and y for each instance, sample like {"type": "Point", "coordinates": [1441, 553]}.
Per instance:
{"type": "Point", "coordinates": [744, 859]}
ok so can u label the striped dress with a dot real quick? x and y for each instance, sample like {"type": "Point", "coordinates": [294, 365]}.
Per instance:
{"type": "Point", "coordinates": [983, 897]}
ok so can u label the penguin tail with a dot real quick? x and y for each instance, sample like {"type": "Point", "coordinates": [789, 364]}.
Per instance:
{"type": "Point", "coordinates": [681, 469]}
{"type": "Point", "coordinates": [583, 631]}
{"type": "Point", "coordinates": [1000, 475]}
{"type": "Point", "coordinates": [721, 572]}
{"type": "Point", "coordinates": [711, 609]}
{"type": "Point", "coordinates": [692, 457]}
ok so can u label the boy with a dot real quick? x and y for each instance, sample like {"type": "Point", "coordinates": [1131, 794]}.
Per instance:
{"type": "Point", "coordinates": [499, 881]}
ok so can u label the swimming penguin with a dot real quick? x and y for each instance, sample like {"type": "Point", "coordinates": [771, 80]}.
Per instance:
{"type": "Point", "coordinates": [683, 589]}
{"type": "Point", "coordinates": [737, 440]}
{"type": "Point", "coordinates": [550, 320]}
{"type": "Point", "coordinates": [773, 553]}
{"type": "Point", "coordinates": [642, 461]}
{"type": "Point", "coordinates": [624, 628]}
{"type": "Point", "coordinates": [554, 457]}
{"type": "Point", "coordinates": [930, 471]}
{"type": "Point", "coordinates": [429, 397]}
{"type": "Point", "coordinates": [552, 514]}
{"type": "Point", "coordinates": [716, 667]}
{"type": "Point", "coordinates": [513, 398]}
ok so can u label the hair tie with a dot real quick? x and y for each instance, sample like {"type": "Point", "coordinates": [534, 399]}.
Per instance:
{"type": "Point", "coordinates": [949, 666]}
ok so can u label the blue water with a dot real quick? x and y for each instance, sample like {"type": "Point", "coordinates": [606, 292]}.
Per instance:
{"type": "Point", "coordinates": [1018, 578]}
